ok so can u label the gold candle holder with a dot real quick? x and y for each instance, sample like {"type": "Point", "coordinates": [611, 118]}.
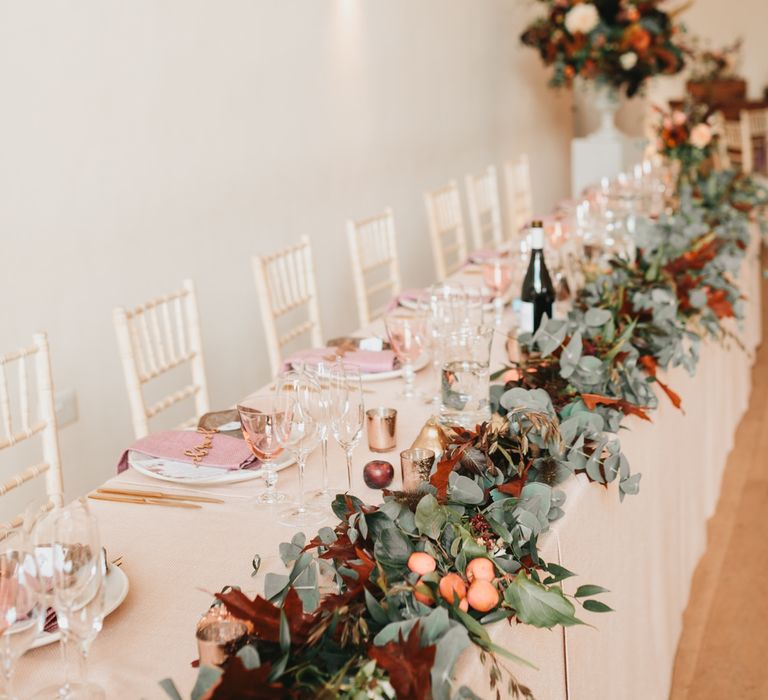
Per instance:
{"type": "Point", "coordinates": [416, 464]}
{"type": "Point", "coordinates": [382, 428]}
{"type": "Point", "coordinates": [218, 636]}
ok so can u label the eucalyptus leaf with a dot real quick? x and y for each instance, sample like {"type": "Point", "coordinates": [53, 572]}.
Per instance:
{"type": "Point", "coordinates": [537, 605]}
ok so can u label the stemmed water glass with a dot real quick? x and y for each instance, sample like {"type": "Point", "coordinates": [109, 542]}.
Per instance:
{"type": "Point", "coordinates": [497, 275]}
{"type": "Point", "coordinates": [347, 411]}
{"type": "Point", "coordinates": [259, 417]}
{"type": "Point", "coordinates": [72, 569]}
{"type": "Point", "coordinates": [299, 434]}
{"type": "Point", "coordinates": [407, 333]}
{"type": "Point", "coordinates": [22, 605]}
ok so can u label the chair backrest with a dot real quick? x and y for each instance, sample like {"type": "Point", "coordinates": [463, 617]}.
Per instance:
{"type": "Point", "coordinates": [285, 283]}
{"type": "Point", "coordinates": [446, 229]}
{"type": "Point", "coordinates": [754, 140]}
{"type": "Point", "coordinates": [155, 338]}
{"type": "Point", "coordinates": [719, 126]}
{"type": "Point", "coordinates": [517, 180]}
{"type": "Point", "coordinates": [36, 413]}
{"type": "Point", "coordinates": [732, 142]}
{"type": "Point", "coordinates": [375, 264]}
{"type": "Point", "coordinates": [484, 209]}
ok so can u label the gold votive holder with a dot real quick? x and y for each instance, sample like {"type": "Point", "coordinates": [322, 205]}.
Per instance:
{"type": "Point", "coordinates": [416, 464]}
{"type": "Point", "coordinates": [218, 636]}
{"type": "Point", "coordinates": [382, 429]}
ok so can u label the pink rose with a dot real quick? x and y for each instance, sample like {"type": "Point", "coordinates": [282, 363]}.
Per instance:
{"type": "Point", "coordinates": [679, 118]}
{"type": "Point", "coordinates": [701, 136]}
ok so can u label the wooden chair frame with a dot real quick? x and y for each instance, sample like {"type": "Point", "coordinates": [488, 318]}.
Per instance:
{"type": "Point", "coordinates": [445, 219]}
{"type": "Point", "coordinates": [519, 193]}
{"type": "Point", "coordinates": [485, 209]}
{"type": "Point", "coordinates": [285, 281]}
{"type": "Point", "coordinates": [373, 247]}
{"type": "Point", "coordinates": [154, 338]}
{"type": "Point", "coordinates": [45, 425]}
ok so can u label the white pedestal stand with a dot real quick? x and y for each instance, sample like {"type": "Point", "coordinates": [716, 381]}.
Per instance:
{"type": "Point", "coordinates": [607, 151]}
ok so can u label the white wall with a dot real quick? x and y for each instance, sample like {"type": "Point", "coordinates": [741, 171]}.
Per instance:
{"type": "Point", "coordinates": [142, 142]}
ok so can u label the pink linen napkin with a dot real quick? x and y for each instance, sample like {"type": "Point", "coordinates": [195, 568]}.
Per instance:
{"type": "Point", "coordinates": [226, 452]}
{"type": "Point", "coordinates": [405, 295]}
{"type": "Point", "coordinates": [369, 361]}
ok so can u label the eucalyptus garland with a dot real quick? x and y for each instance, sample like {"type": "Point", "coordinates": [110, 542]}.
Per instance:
{"type": "Point", "coordinates": [382, 605]}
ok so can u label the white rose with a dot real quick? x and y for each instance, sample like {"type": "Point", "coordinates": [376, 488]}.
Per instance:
{"type": "Point", "coordinates": [628, 60]}
{"type": "Point", "coordinates": [701, 136]}
{"type": "Point", "coordinates": [582, 19]}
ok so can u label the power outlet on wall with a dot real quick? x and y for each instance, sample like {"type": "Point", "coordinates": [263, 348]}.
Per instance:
{"type": "Point", "coordinates": [66, 407]}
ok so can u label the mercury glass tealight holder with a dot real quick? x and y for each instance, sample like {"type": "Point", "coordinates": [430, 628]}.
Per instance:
{"type": "Point", "coordinates": [416, 464]}
{"type": "Point", "coordinates": [382, 429]}
{"type": "Point", "coordinates": [218, 636]}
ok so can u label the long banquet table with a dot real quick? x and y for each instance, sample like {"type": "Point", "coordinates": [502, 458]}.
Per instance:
{"type": "Point", "coordinates": [644, 550]}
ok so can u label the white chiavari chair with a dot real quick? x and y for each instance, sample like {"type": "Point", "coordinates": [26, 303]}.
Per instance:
{"type": "Point", "coordinates": [722, 157]}
{"type": "Point", "coordinates": [732, 142]}
{"type": "Point", "coordinates": [375, 264]}
{"type": "Point", "coordinates": [285, 283]}
{"type": "Point", "coordinates": [36, 413]}
{"type": "Point", "coordinates": [155, 338]}
{"type": "Point", "coordinates": [485, 209]}
{"type": "Point", "coordinates": [517, 180]}
{"type": "Point", "coordinates": [446, 228]}
{"type": "Point", "coordinates": [754, 141]}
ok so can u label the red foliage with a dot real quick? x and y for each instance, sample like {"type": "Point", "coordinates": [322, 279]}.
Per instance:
{"type": "Point", "coordinates": [440, 478]}
{"type": "Point", "coordinates": [239, 683]}
{"type": "Point", "coordinates": [265, 616]}
{"type": "Point", "coordinates": [592, 400]}
{"type": "Point", "coordinates": [408, 665]}
{"type": "Point", "coordinates": [650, 365]}
{"type": "Point", "coordinates": [717, 300]}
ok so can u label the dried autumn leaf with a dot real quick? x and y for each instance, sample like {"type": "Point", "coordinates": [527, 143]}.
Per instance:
{"type": "Point", "coordinates": [240, 683]}
{"type": "Point", "coordinates": [408, 664]}
{"type": "Point", "coordinates": [265, 616]}
{"type": "Point", "coordinates": [592, 400]}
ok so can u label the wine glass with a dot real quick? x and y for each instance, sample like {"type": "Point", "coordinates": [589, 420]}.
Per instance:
{"type": "Point", "coordinates": [299, 434]}
{"type": "Point", "coordinates": [72, 567]}
{"type": "Point", "coordinates": [497, 275]}
{"type": "Point", "coordinates": [347, 411]}
{"type": "Point", "coordinates": [259, 416]}
{"type": "Point", "coordinates": [319, 409]}
{"type": "Point", "coordinates": [22, 608]}
{"type": "Point", "coordinates": [408, 338]}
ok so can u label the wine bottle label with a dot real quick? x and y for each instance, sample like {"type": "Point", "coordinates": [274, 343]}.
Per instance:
{"type": "Point", "coordinates": [526, 317]}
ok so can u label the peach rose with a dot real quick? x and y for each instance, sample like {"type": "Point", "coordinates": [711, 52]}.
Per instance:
{"type": "Point", "coordinates": [701, 136]}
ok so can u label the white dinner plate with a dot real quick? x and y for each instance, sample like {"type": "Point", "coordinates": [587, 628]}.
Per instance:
{"type": "Point", "coordinates": [413, 305]}
{"type": "Point", "coordinates": [394, 373]}
{"type": "Point", "coordinates": [186, 473]}
{"type": "Point", "coordinates": [115, 591]}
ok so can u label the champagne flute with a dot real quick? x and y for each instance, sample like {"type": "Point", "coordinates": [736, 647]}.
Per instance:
{"type": "Point", "coordinates": [22, 608]}
{"type": "Point", "coordinates": [299, 434]}
{"type": "Point", "coordinates": [408, 337]}
{"type": "Point", "coordinates": [319, 408]}
{"type": "Point", "coordinates": [259, 415]}
{"type": "Point", "coordinates": [497, 275]}
{"type": "Point", "coordinates": [71, 561]}
{"type": "Point", "coordinates": [347, 411]}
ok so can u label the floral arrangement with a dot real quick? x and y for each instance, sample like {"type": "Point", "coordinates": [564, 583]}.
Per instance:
{"type": "Point", "coordinates": [618, 43]}
{"type": "Point", "coordinates": [687, 136]}
{"type": "Point", "coordinates": [708, 64]}
{"type": "Point", "coordinates": [382, 605]}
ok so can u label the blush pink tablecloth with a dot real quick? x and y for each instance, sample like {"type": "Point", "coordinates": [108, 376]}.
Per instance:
{"type": "Point", "coordinates": [644, 550]}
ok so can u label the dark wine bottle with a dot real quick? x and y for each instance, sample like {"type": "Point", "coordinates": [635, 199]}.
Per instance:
{"type": "Point", "coordinates": [538, 293]}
